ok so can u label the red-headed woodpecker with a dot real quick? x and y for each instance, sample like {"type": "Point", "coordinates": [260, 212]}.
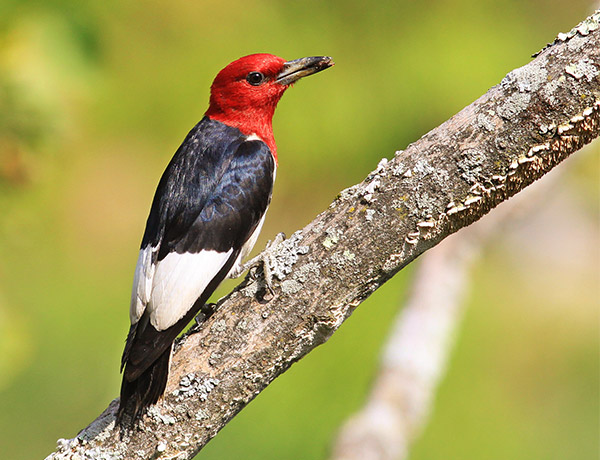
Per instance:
{"type": "Point", "coordinates": [208, 209]}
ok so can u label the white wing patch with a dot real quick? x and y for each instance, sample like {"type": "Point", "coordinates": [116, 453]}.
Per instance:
{"type": "Point", "coordinates": [142, 284]}
{"type": "Point", "coordinates": [179, 279]}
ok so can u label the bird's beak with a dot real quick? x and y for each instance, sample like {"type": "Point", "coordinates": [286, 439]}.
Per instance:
{"type": "Point", "coordinates": [298, 68]}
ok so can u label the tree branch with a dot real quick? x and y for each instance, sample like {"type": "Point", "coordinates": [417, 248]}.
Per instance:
{"type": "Point", "coordinates": [515, 133]}
{"type": "Point", "coordinates": [416, 354]}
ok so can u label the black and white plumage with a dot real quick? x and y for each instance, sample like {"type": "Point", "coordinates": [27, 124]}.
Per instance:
{"type": "Point", "coordinates": [206, 215]}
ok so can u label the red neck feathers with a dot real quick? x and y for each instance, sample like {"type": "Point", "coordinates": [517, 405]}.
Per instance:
{"type": "Point", "coordinates": [245, 94]}
{"type": "Point", "coordinates": [248, 122]}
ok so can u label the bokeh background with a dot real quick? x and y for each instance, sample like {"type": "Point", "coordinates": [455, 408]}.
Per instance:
{"type": "Point", "coordinates": [96, 96]}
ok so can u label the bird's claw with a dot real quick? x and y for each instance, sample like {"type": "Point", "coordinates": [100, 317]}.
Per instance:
{"type": "Point", "coordinates": [266, 259]}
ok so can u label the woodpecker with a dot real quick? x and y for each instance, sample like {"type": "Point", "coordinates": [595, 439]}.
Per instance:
{"type": "Point", "coordinates": [206, 215]}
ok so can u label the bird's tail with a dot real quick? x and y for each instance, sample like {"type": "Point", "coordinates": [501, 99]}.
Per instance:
{"type": "Point", "coordinates": [138, 394]}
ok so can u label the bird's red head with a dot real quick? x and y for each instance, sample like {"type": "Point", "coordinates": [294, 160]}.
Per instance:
{"type": "Point", "coordinates": [245, 93]}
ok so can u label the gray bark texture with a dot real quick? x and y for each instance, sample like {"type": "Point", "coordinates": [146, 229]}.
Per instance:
{"type": "Point", "coordinates": [515, 133]}
{"type": "Point", "coordinates": [416, 355]}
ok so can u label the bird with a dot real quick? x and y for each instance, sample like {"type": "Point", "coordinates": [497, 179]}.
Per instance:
{"type": "Point", "coordinates": [207, 212]}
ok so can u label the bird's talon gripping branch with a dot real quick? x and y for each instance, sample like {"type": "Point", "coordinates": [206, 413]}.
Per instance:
{"type": "Point", "coordinates": [207, 212]}
{"type": "Point", "coordinates": [265, 259]}
{"type": "Point", "coordinates": [261, 259]}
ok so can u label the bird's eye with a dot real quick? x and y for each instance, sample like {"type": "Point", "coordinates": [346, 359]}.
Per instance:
{"type": "Point", "coordinates": [255, 78]}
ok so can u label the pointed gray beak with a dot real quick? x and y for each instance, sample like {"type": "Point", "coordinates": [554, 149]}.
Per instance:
{"type": "Point", "coordinates": [298, 68]}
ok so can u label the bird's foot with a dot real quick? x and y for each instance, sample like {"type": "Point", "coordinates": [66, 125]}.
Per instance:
{"type": "Point", "coordinates": [264, 259]}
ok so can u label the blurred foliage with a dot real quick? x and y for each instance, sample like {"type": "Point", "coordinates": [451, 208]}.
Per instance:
{"type": "Point", "coordinates": [96, 96]}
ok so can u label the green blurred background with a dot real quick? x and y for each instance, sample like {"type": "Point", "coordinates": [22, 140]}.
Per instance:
{"type": "Point", "coordinates": [96, 96]}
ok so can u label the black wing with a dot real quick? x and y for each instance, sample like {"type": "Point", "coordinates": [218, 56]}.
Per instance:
{"type": "Point", "coordinates": [211, 197]}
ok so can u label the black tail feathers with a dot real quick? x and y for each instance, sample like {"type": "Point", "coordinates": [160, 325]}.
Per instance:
{"type": "Point", "coordinates": [138, 394]}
